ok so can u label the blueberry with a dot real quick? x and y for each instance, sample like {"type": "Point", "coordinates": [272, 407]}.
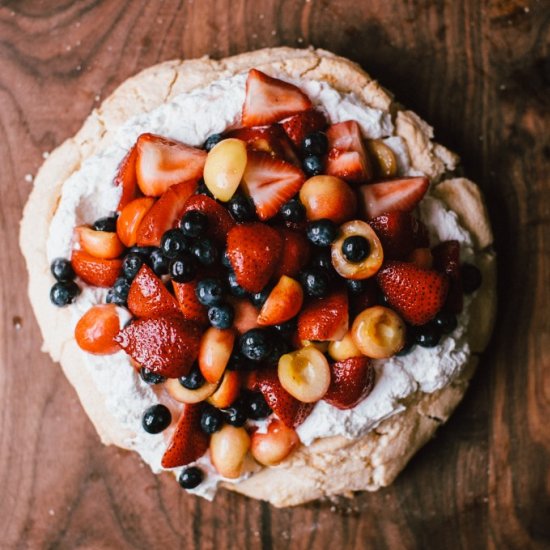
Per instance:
{"type": "Point", "coordinates": [259, 298]}
{"type": "Point", "coordinates": [194, 380]}
{"type": "Point", "coordinates": [238, 362]}
{"type": "Point", "coordinates": [212, 140]}
{"type": "Point", "coordinates": [279, 347]}
{"type": "Point", "coordinates": [190, 477]}
{"type": "Point", "coordinates": [209, 292]}
{"type": "Point", "coordinates": [203, 190]}
{"type": "Point", "coordinates": [241, 208]}
{"type": "Point", "coordinates": [183, 269]}
{"type": "Point", "coordinates": [286, 329]}
{"type": "Point", "coordinates": [173, 243]}
{"type": "Point", "coordinates": [151, 377]}
{"type": "Point", "coordinates": [62, 294]}
{"type": "Point", "coordinates": [160, 264]}
{"type": "Point", "coordinates": [315, 144]}
{"type": "Point", "coordinates": [293, 211]}
{"type": "Point", "coordinates": [62, 270]}
{"type": "Point", "coordinates": [221, 316]}
{"type": "Point", "coordinates": [121, 288]}
{"type": "Point", "coordinates": [226, 261]}
{"type": "Point", "coordinates": [321, 232]}
{"type": "Point", "coordinates": [143, 251]}
{"type": "Point", "coordinates": [236, 414]}
{"type": "Point", "coordinates": [356, 286]}
{"type": "Point", "coordinates": [427, 336]}
{"type": "Point", "coordinates": [113, 298]}
{"type": "Point", "coordinates": [315, 282]}
{"type": "Point", "coordinates": [322, 260]}
{"type": "Point", "coordinates": [194, 223]}
{"type": "Point", "coordinates": [257, 406]}
{"type": "Point", "coordinates": [312, 165]}
{"type": "Point", "coordinates": [410, 341]}
{"type": "Point", "coordinates": [156, 419]}
{"type": "Point", "coordinates": [256, 344]}
{"type": "Point", "coordinates": [471, 278]}
{"type": "Point", "coordinates": [355, 248]}
{"type": "Point", "coordinates": [205, 251]}
{"type": "Point", "coordinates": [234, 288]}
{"type": "Point", "coordinates": [131, 265]}
{"type": "Point", "coordinates": [211, 420]}
{"type": "Point", "coordinates": [445, 321]}
{"type": "Point", "coordinates": [106, 224]}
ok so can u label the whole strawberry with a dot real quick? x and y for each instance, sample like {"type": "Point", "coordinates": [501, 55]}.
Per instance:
{"type": "Point", "coordinates": [351, 381]}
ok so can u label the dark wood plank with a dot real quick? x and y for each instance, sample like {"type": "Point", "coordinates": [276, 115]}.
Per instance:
{"type": "Point", "coordinates": [479, 71]}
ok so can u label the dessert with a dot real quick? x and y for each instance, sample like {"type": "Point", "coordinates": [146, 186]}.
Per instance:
{"type": "Point", "coordinates": [272, 247]}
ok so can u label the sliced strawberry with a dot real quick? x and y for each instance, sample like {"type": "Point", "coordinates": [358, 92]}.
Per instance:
{"type": "Point", "coordinates": [219, 219]}
{"type": "Point", "coordinates": [400, 233]}
{"type": "Point", "coordinates": [254, 250]}
{"type": "Point", "coordinates": [165, 213]}
{"type": "Point", "coordinates": [188, 441]}
{"type": "Point", "coordinates": [270, 182]}
{"type": "Point", "coordinates": [351, 381]}
{"type": "Point", "coordinates": [148, 297]}
{"type": "Point", "coordinates": [162, 162]}
{"type": "Point", "coordinates": [325, 318]}
{"type": "Point", "coordinates": [347, 158]}
{"type": "Point", "coordinates": [289, 410]}
{"type": "Point", "coordinates": [299, 126]}
{"type": "Point", "coordinates": [269, 100]}
{"type": "Point", "coordinates": [165, 345]}
{"type": "Point", "coordinates": [386, 196]}
{"type": "Point", "coordinates": [190, 306]}
{"type": "Point", "coordinates": [416, 294]}
{"type": "Point", "coordinates": [95, 271]}
{"type": "Point", "coordinates": [446, 259]}
{"type": "Point", "coordinates": [126, 178]}
{"type": "Point", "coordinates": [295, 253]}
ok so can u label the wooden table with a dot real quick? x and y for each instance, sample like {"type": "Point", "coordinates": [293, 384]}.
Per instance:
{"type": "Point", "coordinates": [479, 71]}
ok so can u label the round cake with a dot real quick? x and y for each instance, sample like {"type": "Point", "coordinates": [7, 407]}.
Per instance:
{"type": "Point", "coordinates": [261, 273]}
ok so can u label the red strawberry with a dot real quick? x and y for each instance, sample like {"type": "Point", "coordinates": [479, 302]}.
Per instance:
{"type": "Point", "coordinates": [290, 411]}
{"type": "Point", "coordinates": [446, 259]}
{"type": "Point", "coordinates": [400, 233]}
{"type": "Point", "coordinates": [270, 182]}
{"type": "Point", "coordinates": [126, 177]}
{"type": "Point", "coordinates": [325, 318]}
{"type": "Point", "coordinates": [188, 441]}
{"type": "Point", "coordinates": [351, 381]}
{"type": "Point", "coordinates": [295, 253]}
{"type": "Point", "coordinates": [254, 250]}
{"type": "Point", "coordinates": [95, 271]}
{"type": "Point", "coordinates": [417, 294]}
{"type": "Point", "coordinates": [165, 345]}
{"type": "Point", "coordinates": [190, 306]}
{"type": "Point", "coordinates": [347, 157]}
{"type": "Point", "coordinates": [148, 297]}
{"type": "Point", "coordinates": [219, 219]}
{"type": "Point", "coordinates": [400, 194]}
{"type": "Point", "coordinates": [162, 162]}
{"type": "Point", "coordinates": [269, 100]}
{"type": "Point", "coordinates": [165, 213]}
{"type": "Point", "coordinates": [297, 127]}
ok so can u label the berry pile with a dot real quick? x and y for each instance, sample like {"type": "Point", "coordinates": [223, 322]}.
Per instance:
{"type": "Point", "coordinates": [262, 272]}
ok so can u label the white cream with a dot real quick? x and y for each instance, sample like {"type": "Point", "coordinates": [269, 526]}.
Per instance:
{"type": "Point", "coordinates": [191, 118]}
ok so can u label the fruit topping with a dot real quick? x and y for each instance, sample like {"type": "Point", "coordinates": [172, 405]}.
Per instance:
{"type": "Point", "coordinates": [315, 282]}
{"type": "Point", "coordinates": [95, 271]}
{"type": "Point", "coordinates": [351, 381]}
{"type": "Point", "coordinates": [189, 304]}
{"type": "Point", "coordinates": [193, 380]}
{"type": "Point", "coordinates": [343, 349]}
{"type": "Point", "coordinates": [212, 140]}
{"type": "Point", "coordinates": [183, 269]}
{"type": "Point", "coordinates": [427, 336]}
{"type": "Point", "coordinates": [194, 224]}
{"type": "Point", "coordinates": [246, 315]}
{"type": "Point", "coordinates": [283, 302]}
{"type": "Point", "coordinates": [378, 332]}
{"type": "Point", "coordinates": [348, 246]}
{"type": "Point", "coordinates": [164, 345]}
{"type": "Point", "coordinates": [221, 316]}
{"type": "Point", "coordinates": [269, 100]}
{"type": "Point", "coordinates": [325, 318]}
{"type": "Point", "coordinates": [130, 219]}
{"type": "Point", "coordinates": [305, 124]}
{"type": "Point", "coordinates": [471, 278]}
{"type": "Point", "coordinates": [446, 259]}
{"type": "Point", "coordinates": [191, 477]}
{"type": "Point", "coordinates": [99, 244]}
{"type": "Point", "coordinates": [150, 377]}
{"type": "Point", "coordinates": [228, 448]}
{"type": "Point", "coordinates": [312, 165]}
{"type": "Point", "coordinates": [228, 390]}
{"type": "Point", "coordinates": [421, 257]}
{"type": "Point", "coordinates": [294, 255]}
{"type": "Point", "coordinates": [257, 407]}
{"type": "Point", "coordinates": [161, 163]}
{"type": "Point", "coordinates": [445, 321]}
{"type": "Point", "coordinates": [96, 330]}
{"type": "Point", "coordinates": [62, 270]}
{"type": "Point", "coordinates": [214, 352]}
{"type": "Point", "coordinates": [119, 293]}
{"type": "Point", "coordinates": [305, 374]}
{"type": "Point", "coordinates": [64, 293]}
{"type": "Point", "coordinates": [315, 144]}
{"type": "Point", "coordinates": [293, 211]}
{"type": "Point", "coordinates": [241, 208]}
{"type": "Point", "coordinates": [384, 161]}
{"type": "Point", "coordinates": [131, 265]}
{"type": "Point", "coordinates": [275, 445]}
{"type": "Point", "coordinates": [321, 232]}
{"type": "Point", "coordinates": [156, 419]}
{"type": "Point", "coordinates": [107, 223]}
{"type": "Point", "coordinates": [416, 294]}
{"type": "Point", "coordinates": [256, 345]}
{"type": "Point", "coordinates": [224, 168]}
{"type": "Point", "coordinates": [179, 389]}
{"type": "Point", "coordinates": [398, 194]}
{"type": "Point", "coordinates": [127, 178]}
{"type": "Point", "coordinates": [235, 415]}
{"type": "Point", "coordinates": [211, 419]}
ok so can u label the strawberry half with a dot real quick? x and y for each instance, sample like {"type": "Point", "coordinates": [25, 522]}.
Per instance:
{"type": "Point", "coordinates": [400, 233]}
{"type": "Point", "coordinates": [416, 294]}
{"type": "Point", "coordinates": [148, 297]}
{"type": "Point", "coordinates": [289, 410]}
{"type": "Point", "coordinates": [254, 250]}
{"type": "Point", "coordinates": [190, 306]}
{"type": "Point", "coordinates": [161, 163]}
{"type": "Point", "coordinates": [270, 182]}
{"type": "Point", "coordinates": [295, 253]}
{"type": "Point", "coordinates": [127, 179]}
{"type": "Point", "coordinates": [188, 441]}
{"type": "Point", "coordinates": [299, 126]}
{"type": "Point", "coordinates": [165, 345]}
{"type": "Point", "coordinates": [351, 381]}
{"type": "Point", "coordinates": [96, 271]}
{"type": "Point", "coordinates": [325, 318]}
{"type": "Point", "coordinates": [269, 100]}
{"type": "Point", "coordinates": [446, 259]}
{"type": "Point", "coordinates": [165, 213]}
{"type": "Point", "coordinates": [347, 157]}
{"type": "Point", "coordinates": [386, 196]}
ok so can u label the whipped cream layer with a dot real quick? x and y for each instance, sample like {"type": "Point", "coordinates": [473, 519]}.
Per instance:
{"type": "Point", "coordinates": [190, 118]}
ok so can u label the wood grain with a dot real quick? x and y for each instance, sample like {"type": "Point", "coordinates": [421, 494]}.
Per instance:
{"type": "Point", "coordinates": [479, 71]}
